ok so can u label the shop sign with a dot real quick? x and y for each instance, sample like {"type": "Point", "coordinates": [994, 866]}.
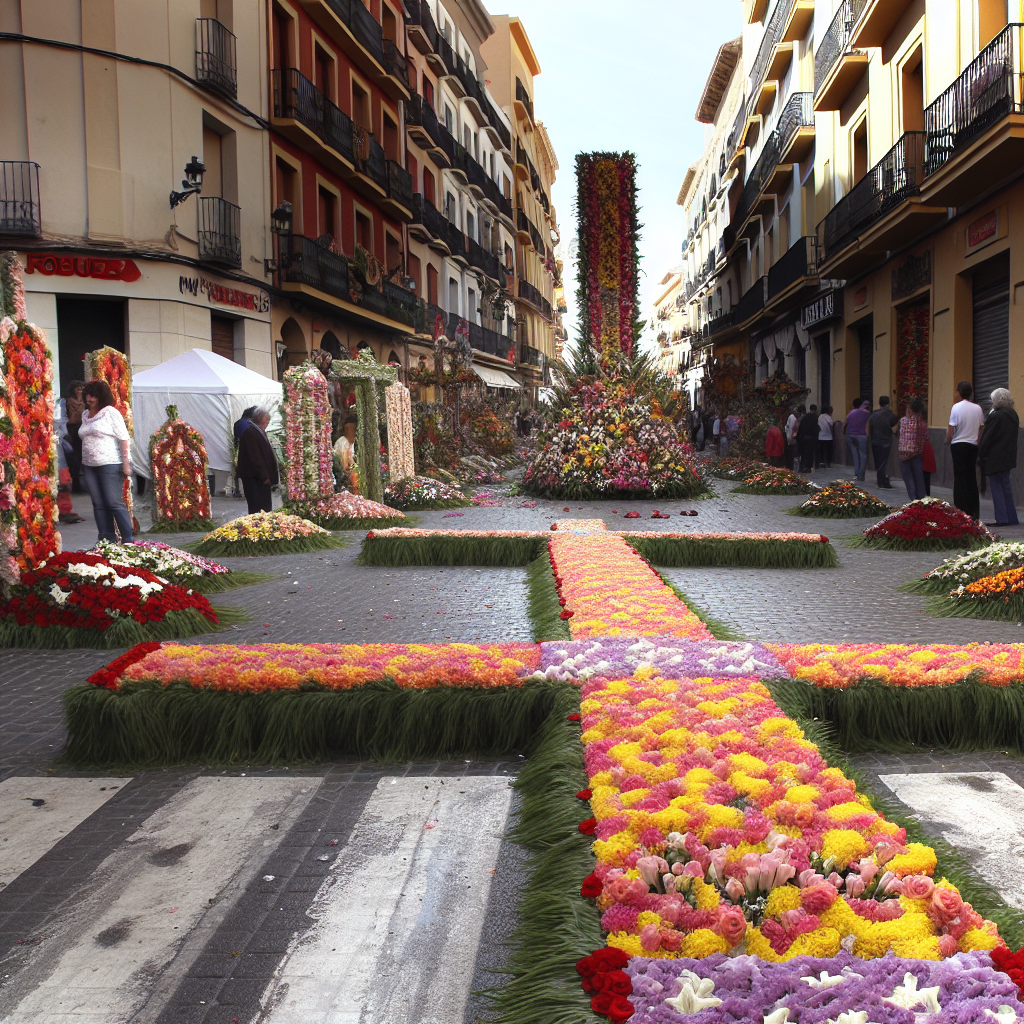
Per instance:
{"type": "Point", "coordinates": [982, 229]}
{"type": "Point", "coordinates": [825, 307]}
{"type": "Point", "coordinates": [256, 302]}
{"type": "Point", "coordinates": [100, 268]}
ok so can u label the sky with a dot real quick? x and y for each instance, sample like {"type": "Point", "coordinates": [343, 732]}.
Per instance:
{"type": "Point", "coordinates": [625, 75]}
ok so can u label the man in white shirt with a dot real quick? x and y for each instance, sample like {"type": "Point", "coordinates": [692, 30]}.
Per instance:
{"type": "Point", "coordinates": [966, 419]}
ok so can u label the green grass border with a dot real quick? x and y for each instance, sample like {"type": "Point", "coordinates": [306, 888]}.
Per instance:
{"type": "Point", "coordinates": [432, 506]}
{"type": "Point", "coordinates": [449, 549]}
{"type": "Point", "coordinates": [543, 608]}
{"type": "Point", "coordinates": [789, 490]}
{"type": "Point", "coordinates": [922, 544]}
{"type": "Point", "coordinates": [252, 549]}
{"type": "Point", "coordinates": [968, 608]}
{"type": "Point", "coordinates": [182, 526]}
{"type": "Point", "coordinates": [220, 582]}
{"type": "Point", "coordinates": [736, 552]}
{"type": "Point", "coordinates": [984, 897]}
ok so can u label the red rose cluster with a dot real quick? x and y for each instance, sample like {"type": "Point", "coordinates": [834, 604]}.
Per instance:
{"type": "Point", "coordinates": [926, 519]}
{"type": "Point", "coordinates": [77, 589]}
{"type": "Point", "coordinates": [607, 983]}
{"type": "Point", "coordinates": [1011, 964]}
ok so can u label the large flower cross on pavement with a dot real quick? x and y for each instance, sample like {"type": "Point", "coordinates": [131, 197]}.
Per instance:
{"type": "Point", "coordinates": [738, 876]}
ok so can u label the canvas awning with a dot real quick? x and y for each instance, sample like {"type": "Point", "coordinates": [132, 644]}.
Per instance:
{"type": "Point", "coordinates": [495, 378]}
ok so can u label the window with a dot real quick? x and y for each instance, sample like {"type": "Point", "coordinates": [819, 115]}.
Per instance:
{"type": "Point", "coordinates": [508, 257]}
{"type": "Point", "coordinates": [472, 312]}
{"type": "Point", "coordinates": [284, 39]}
{"type": "Point", "coordinates": [222, 336]}
{"type": "Point", "coordinates": [364, 231]}
{"type": "Point", "coordinates": [323, 71]}
{"type": "Point", "coordinates": [390, 137]}
{"type": "Point", "coordinates": [213, 177]}
{"type": "Point", "coordinates": [859, 152]}
{"type": "Point", "coordinates": [428, 90]}
{"type": "Point", "coordinates": [506, 187]}
{"type": "Point", "coordinates": [287, 183]}
{"type": "Point", "coordinates": [389, 23]}
{"type": "Point", "coordinates": [492, 167]}
{"type": "Point", "coordinates": [361, 107]}
{"type": "Point", "coordinates": [470, 226]}
{"type": "Point", "coordinates": [327, 213]}
{"type": "Point", "coordinates": [429, 187]}
{"type": "Point", "coordinates": [392, 255]}
{"type": "Point", "coordinates": [415, 273]}
{"type": "Point", "coordinates": [912, 82]}
{"type": "Point", "coordinates": [432, 285]}
{"type": "Point", "coordinates": [453, 295]}
{"type": "Point", "coordinates": [451, 209]}
{"type": "Point", "coordinates": [467, 138]}
{"type": "Point", "coordinates": [449, 118]}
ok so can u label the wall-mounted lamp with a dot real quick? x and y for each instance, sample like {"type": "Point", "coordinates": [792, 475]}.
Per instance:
{"type": "Point", "coordinates": [192, 183]}
{"type": "Point", "coordinates": [281, 225]}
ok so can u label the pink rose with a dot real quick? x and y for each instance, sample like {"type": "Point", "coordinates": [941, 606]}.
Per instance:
{"type": "Point", "coordinates": [671, 940]}
{"type": "Point", "coordinates": [651, 869]}
{"type": "Point", "coordinates": [732, 925]}
{"type": "Point", "coordinates": [947, 946]}
{"type": "Point", "coordinates": [693, 867]}
{"type": "Point", "coordinates": [817, 898]}
{"type": "Point", "coordinates": [945, 906]}
{"type": "Point", "coordinates": [918, 887]}
{"type": "Point", "coordinates": [854, 885]}
{"type": "Point", "coordinates": [868, 869]}
{"type": "Point", "coordinates": [650, 937]}
{"type": "Point", "coordinates": [734, 890]}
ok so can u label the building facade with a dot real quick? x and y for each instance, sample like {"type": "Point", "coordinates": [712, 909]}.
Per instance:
{"type": "Point", "coordinates": [679, 352]}
{"type": "Point", "coordinates": [876, 220]}
{"type": "Point", "coordinates": [105, 107]}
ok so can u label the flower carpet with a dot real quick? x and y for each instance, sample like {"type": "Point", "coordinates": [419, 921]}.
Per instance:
{"type": "Point", "coordinates": [737, 875]}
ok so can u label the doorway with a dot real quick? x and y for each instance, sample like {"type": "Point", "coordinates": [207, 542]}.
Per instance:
{"type": "Point", "coordinates": [84, 325]}
{"type": "Point", "coordinates": [222, 336]}
{"type": "Point", "coordinates": [865, 357]}
{"type": "Point", "coordinates": [991, 323]}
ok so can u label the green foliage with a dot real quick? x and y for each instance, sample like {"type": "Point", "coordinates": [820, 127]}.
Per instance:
{"type": "Point", "coordinates": [544, 610]}
{"type": "Point", "coordinates": [289, 546]}
{"type": "Point", "coordinates": [447, 549]}
{"type": "Point", "coordinates": [738, 551]}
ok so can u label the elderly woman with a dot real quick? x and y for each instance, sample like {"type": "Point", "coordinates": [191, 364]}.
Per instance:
{"type": "Point", "coordinates": [997, 455]}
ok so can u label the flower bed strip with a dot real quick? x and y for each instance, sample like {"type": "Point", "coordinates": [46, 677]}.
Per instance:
{"type": "Point", "coordinates": [543, 606]}
{"type": "Point", "coordinates": [682, 552]}
{"type": "Point", "coordinates": [250, 548]}
{"type": "Point", "coordinates": [452, 549]}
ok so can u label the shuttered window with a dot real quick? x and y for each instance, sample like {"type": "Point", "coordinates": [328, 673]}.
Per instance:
{"type": "Point", "coordinates": [866, 335]}
{"type": "Point", "coordinates": [222, 335]}
{"type": "Point", "coordinates": [991, 366]}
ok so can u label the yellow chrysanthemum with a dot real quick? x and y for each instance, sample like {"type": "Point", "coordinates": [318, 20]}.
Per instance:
{"type": "Point", "coordinates": [701, 943]}
{"type": "Point", "coordinates": [845, 845]}
{"type": "Point", "coordinates": [785, 897]}
{"type": "Point", "coordinates": [918, 860]}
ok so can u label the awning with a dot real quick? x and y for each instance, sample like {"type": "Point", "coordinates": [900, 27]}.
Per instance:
{"type": "Point", "coordinates": [495, 378]}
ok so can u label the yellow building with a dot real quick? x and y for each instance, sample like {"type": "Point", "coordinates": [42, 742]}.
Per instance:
{"type": "Point", "coordinates": [678, 351]}
{"type": "Point", "coordinates": [103, 111]}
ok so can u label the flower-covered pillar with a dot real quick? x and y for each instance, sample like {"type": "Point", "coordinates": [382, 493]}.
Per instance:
{"type": "Point", "coordinates": [309, 474]}
{"type": "Point", "coordinates": [177, 457]}
{"type": "Point", "coordinates": [112, 367]}
{"type": "Point", "coordinates": [400, 449]}
{"type": "Point", "coordinates": [28, 444]}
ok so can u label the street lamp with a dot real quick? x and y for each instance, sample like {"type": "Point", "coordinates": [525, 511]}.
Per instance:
{"type": "Point", "coordinates": [281, 225]}
{"type": "Point", "coordinates": [498, 306]}
{"type": "Point", "coordinates": [192, 182]}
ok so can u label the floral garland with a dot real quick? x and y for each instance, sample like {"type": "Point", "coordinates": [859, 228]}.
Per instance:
{"type": "Point", "coordinates": [608, 256]}
{"type": "Point", "coordinates": [177, 455]}
{"type": "Point", "coordinates": [771, 480]}
{"type": "Point", "coordinates": [928, 524]}
{"type": "Point", "coordinates": [112, 367]}
{"type": "Point", "coordinates": [842, 500]}
{"type": "Point", "coordinates": [309, 459]}
{"type": "Point", "coordinates": [423, 492]}
{"type": "Point", "coordinates": [913, 325]}
{"type": "Point", "coordinates": [398, 405]}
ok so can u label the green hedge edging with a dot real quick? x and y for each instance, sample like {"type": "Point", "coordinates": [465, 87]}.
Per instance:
{"type": "Point", "coordinates": [544, 610]}
{"type": "Point", "coordinates": [252, 548]}
{"type": "Point", "coordinates": [737, 552]}
{"type": "Point", "coordinates": [719, 629]}
{"type": "Point", "coordinates": [182, 526]}
{"type": "Point", "coordinates": [446, 549]}
{"type": "Point", "coordinates": [921, 544]}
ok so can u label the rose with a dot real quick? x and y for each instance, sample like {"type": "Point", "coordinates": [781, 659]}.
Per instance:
{"type": "Point", "coordinates": [732, 925]}
{"type": "Point", "coordinates": [917, 887]}
{"type": "Point", "coordinates": [946, 905]}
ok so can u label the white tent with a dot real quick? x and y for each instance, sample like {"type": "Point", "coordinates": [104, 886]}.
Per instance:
{"type": "Point", "coordinates": [210, 392]}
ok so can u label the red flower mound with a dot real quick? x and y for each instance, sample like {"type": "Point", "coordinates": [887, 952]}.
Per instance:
{"type": "Point", "coordinates": [602, 977]}
{"type": "Point", "coordinates": [927, 519]}
{"type": "Point", "coordinates": [1011, 964]}
{"type": "Point", "coordinates": [82, 590]}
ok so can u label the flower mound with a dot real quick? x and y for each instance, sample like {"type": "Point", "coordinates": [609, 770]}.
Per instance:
{"type": "Point", "coordinates": [735, 468]}
{"type": "Point", "coordinates": [842, 500]}
{"type": "Point", "coordinates": [177, 455]}
{"type": "Point", "coordinates": [773, 481]}
{"type": "Point", "coordinates": [265, 533]}
{"type": "Point", "coordinates": [179, 567]}
{"type": "Point", "coordinates": [423, 492]}
{"type": "Point", "coordinates": [963, 569]}
{"type": "Point", "coordinates": [82, 599]}
{"type": "Point", "coordinates": [345, 511]}
{"type": "Point", "coordinates": [993, 597]}
{"type": "Point", "coordinates": [926, 525]}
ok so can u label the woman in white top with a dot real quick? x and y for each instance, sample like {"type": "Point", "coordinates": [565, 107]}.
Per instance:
{"type": "Point", "coordinates": [825, 441]}
{"type": "Point", "coordinates": [105, 462]}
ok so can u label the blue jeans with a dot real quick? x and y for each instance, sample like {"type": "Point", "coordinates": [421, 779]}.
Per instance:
{"type": "Point", "coordinates": [106, 488]}
{"type": "Point", "coordinates": [912, 472]}
{"type": "Point", "coordinates": [1002, 499]}
{"type": "Point", "coordinates": [859, 446]}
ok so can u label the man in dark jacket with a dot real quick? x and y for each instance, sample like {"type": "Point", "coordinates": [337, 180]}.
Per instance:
{"type": "Point", "coordinates": [997, 455]}
{"type": "Point", "coordinates": [257, 464]}
{"type": "Point", "coordinates": [807, 439]}
{"type": "Point", "coordinates": [243, 422]}
{"type": "Point", "coordinates": [881, 424]}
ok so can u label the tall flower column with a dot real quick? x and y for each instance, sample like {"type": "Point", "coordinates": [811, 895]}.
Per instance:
{"type": "Point", "coordinates": [400, 449]}
{"type": "Point", "coordinates": [177, 456]}
{"type": "Point", "coordinates": [307, 446]}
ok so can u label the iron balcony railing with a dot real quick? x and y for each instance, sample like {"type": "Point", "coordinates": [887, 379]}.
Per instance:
{"type": "Point", "coordinates": [456, 240]}
{"type": "Point", "coordinates": [499, 126]}
{"type": "Point", "coordinates": [751, 302]}
{"type": "Point", "coordinates": [363, 25]}
{"type": "Point", "coordinates": [419, 114]}
{"type": "Point", "coordinates": [799, 262]}
{"type": "Point", "coordinates": [772, 37]}
{"type": "Point", "coordinates": [399, 184]}
{"type": "Point", "coordinates": [719, 323]}
{"type": "Point", "coordinates": [524, 97]}
{"type": "Point", "coordinates": [319, 267]}
{"type": "Point", "coordinates": [216, 65]}
{"type": "Point", "coordinates": [446, 54]}
{"type": "Point", "coordinates": [796, 114]}
{"type": "Point", "coordinates": [481, 338]}
{"type": "Point", "coordinates": [220, 239]}
{"type": "Point", "coordinates": [836, 41]}
{"type": "Point", "coordinates": [418, 14]}
{"type": "Point", "coordinates": [529, 356]}
{"type": "Point", "coordinates": [19, 198]}
{"type": "Point", "coordinates": [429, 216]}
{"type": "Point", "coordinates": [736, 132]}
{"type": "Point", "coordinates": [391, 301]}
{"type": "Point", "coordinates": [296, 97]}
{"type": "Point", "coordinates": [532, 295]}
{"type": "Point", "coordinates": [895, 177]}
{"type": "Point", "coordinates": [480, 258]}
{"type": "Point", "coordinates": [394, 63]}
{"type": "Point", "coordinates": [987, 91]}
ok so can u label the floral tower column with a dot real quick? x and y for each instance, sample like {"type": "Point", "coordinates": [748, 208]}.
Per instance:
{"type": "Point", "coordinates": [400, 449]}
{"type": "Point", "coordinates": [307, 446]}
{"type": "Point", "coordinates": [177, 456]}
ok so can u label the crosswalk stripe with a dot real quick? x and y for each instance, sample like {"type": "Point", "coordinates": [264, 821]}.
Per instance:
{"type": "Point", "coordinates": [399, 919]}
{"type": "Point", "coordinates": [152, 905]}
{"type": "Point", "coordinates": [36, 813]}
{"type": "Point", "coordinates": [980, 813]}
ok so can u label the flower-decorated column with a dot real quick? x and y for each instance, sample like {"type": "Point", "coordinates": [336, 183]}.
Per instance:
{"type": "Point", "coordinates": [307, 447]}
{"type": "Point", "coordinates": [112, 367]}
{"type": "Point", "coordinates": [177, 455]}
{"type": "Point", "coordinates": [28, 444]}
{"type": "Point", "coordinates": [401, 463]}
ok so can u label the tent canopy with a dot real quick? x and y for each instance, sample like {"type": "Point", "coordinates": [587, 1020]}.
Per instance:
{"type": "Point", "coordinates": [210, 392]}
{"type": "Point", "coordinates": [495, 378]}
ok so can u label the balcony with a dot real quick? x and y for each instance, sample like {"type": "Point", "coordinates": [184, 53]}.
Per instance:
{"type": "Point", "coordinates": [350, 24]}
{"type": "Point", "coordinates": [442, 60]}
{"type": "Point", "coordinates": [399, 185]}
{"type": "Point", "coordinates": [751, 304]}
{"type": "Point", "coordinates": [719, 324]}
{"type": "Point", "coordinates": [420, 26]}
{"type": "Point", "coordinates": [19, 199]}
{"type": "Point", "coordinates": [773, 58]}
{"type": "Point", "coordinates": [523, 226]}
{"type": "Point", "coordinates": [530, 356]}
{"type": "Point", "coordinates": [497, 128]}
{"type": "Point", "coordinates": [877, 21]}
{"type": "Point", "coordinates": [793, 274]}
{"type": "Point", "coordinates": [532, 295]}
{"type": "Point", "coordinates": [975, 132]}
{"type": "Point", "coordinates": [523, 105]}
{"type": "Point", "coordinates": [216, 65]}
{"type": "Point", "coordinates": [522, 164]}
{"type": "Point", "coordinates": [481, 259]}
{"type": "Point", "coordinates": [220, 239]}
{"type": "Point", "coordinates": [304, 115]}
{"type": "Point", "coordinates": [838, 65]}
{"type": "Point", "coordinates": [796, 128]}
{"type": "Point", "coordinates": [428, 224]}
{"type": "Point", "coordinates": [456, 242]}
{"type": "Point", "coordinates": [426, 131]}
{"type": "Point", "coordinates": [883, 210]}
{"type": "Point", "coordinates": [395, 66]}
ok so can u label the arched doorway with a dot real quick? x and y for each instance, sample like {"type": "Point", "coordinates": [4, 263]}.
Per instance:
{"type": "Point", "coordinates": [394, 359]}
{"type": "Point", "coordinates": [296, 350]}
{"type": "Point", "coordinates": [329, 343]}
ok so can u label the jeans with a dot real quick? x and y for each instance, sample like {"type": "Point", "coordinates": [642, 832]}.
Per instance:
{"type": "Point", "coordinates": [1002, 499]}
{"type": "Point", "coordinates": [881, 455]}
{"type": "Point", "coordinates": [913, 476]}
{"type": "Point", "coordinates": [105, 485]}
{"type": "Point", "coordinates": [257, 495]}
{"type": "Point", "coordinates": [859, 447]}
{"type": "Point", "coordinates": [965, 478]}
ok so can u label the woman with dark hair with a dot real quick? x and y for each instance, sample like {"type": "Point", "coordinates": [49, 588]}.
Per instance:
{"type": "Point", "coordinates": [913, 431]}
{"type": "Point", "coordinates": [74, 406]}
{"type": "Point", "coordinates": [105, 461]}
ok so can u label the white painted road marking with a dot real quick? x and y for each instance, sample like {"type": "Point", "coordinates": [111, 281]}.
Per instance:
{"type": "Point", "coordinates": [153, 904]}
{"type": "Point", "coordinates": [28, 828]}
{"type": "Point", "coordinates": [980, 813]}
{"type": "Point", "coordinates": [399, 919]}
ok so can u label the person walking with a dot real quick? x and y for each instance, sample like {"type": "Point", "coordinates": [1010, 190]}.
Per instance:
{"type": "Point", "coordinates": [881, 426]}
{"type": "Point", "coordinates": [825, 424]}
{"type": "Point", "coordinates": [792, 425]}
{"type": "Point", "coordinates": [807, 439]}
{"type": "Point", "coordinates": [911, 449]}
{"type": "Point", "coordinates": [105, 461]}
{"type": "Point", "coordinates": [997, 455]}
{"type": "Point", "coordinates": [257, 464]}
{"type": "Point", "coordinates": [966, 419]}
{"type": "Point", "coordinates": [857, 438]}
{"type": "Point", "coordinates": [774, 445]}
